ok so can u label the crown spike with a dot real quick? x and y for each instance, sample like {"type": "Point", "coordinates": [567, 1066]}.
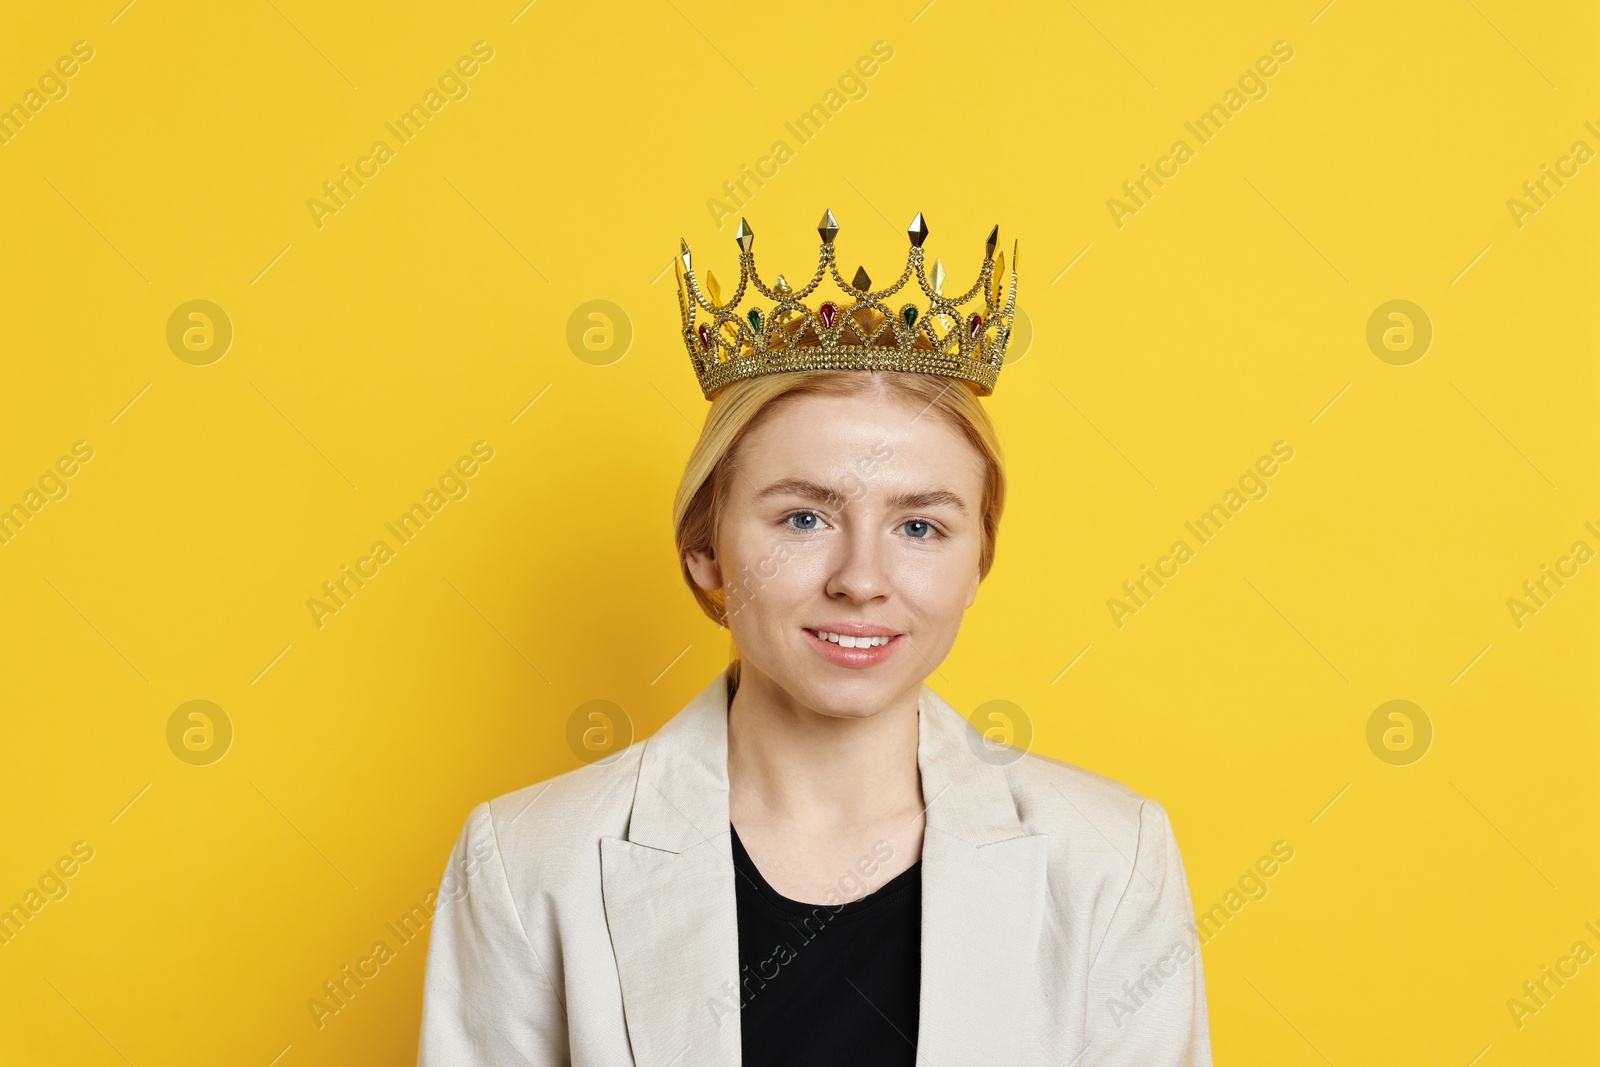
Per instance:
{"type": "Point", "coordinates": [994, 239]}
{"type": "Point", "coordinates": [713, 289]}
{"type": "Point", "coordinates": [828, 227]}
{"type": "Point", "coordinates": [684, 254]}
{"type": "Point", "coordinates": [746, 236]}
{"type": "Point", "coordinates": [862, 280]}
{"type": "Point", "coordinates": [782, 286]}
{"type": "Point", "coordinates": [917, 231]}
{"type": "Point", "coordinates": [936, 277]}
{"type": "Point", "coordinates": [1014, 257]}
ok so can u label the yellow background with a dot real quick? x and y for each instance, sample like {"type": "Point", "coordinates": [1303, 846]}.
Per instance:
{"type": "Point", "coordinates": [369, 353]}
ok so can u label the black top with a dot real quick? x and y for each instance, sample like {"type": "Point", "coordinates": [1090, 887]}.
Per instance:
{"type": "Point", "coordinates": [833, 984]}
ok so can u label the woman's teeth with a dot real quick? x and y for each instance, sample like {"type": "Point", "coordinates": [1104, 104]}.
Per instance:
{"type": "Point", "coordinates": [846, 641]}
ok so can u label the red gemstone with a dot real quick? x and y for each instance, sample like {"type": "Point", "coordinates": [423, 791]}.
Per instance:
{"type": "Point", "coordinates": [974, 326]}
{"type": "Point", "coordinates": [827, 312]}
{"type": "Point", "coordinates": [705, 336]}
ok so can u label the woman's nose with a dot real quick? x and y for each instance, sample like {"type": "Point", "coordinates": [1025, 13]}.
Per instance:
{"type": "Point", "coordinates": [860, 568]}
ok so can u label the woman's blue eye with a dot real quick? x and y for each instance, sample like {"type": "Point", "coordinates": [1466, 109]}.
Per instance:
{"type": "Point", "coordinates": [918, 522]}
{"type": "Point", "coordinates": [804, 515]}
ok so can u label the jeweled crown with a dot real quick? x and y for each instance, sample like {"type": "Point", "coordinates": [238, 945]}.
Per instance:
{"type": "Point", "coordinates": [948, 336]}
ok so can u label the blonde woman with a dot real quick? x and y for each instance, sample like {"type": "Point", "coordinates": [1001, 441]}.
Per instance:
{"type": "Point", "coordinates": [818, 861]}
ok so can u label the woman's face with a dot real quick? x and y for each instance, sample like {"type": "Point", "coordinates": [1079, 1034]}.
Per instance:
{"type": "Point", "coordinates": [851, 516]}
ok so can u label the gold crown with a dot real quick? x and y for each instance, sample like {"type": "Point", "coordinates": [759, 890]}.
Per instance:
{"type": "Point", "coordinates": [866, 334]}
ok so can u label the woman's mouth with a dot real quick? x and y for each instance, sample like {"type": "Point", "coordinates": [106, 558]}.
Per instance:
{"type": "Point", "coordinates": [851, 651]}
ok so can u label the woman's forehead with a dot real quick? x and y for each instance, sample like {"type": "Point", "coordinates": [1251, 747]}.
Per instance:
{"type": "Point", "coordinates": [872, 422]}
{"type": "Point", "coordinates": [870, 447]}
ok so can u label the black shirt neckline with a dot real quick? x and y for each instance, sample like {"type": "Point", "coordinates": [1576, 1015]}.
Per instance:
{"type": "Point", "coordinates": [894, 889]}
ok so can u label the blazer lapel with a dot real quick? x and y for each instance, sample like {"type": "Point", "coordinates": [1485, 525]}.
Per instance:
{"type": "Point", "coordinates": [673, 916]}
{"type": "Point", "coordinates": [669, 895]}
{"type": "Point", "coordinates": [983, 894]}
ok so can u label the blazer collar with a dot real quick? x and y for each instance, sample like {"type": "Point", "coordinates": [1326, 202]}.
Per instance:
{"type": "Point", "coordinates": [681, 798]}
{"type": "Point", "coordinates": [672, 912]}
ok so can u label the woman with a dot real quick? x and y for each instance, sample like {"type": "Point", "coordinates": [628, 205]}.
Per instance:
{"type": "Point", "coordinates": [818, 860]}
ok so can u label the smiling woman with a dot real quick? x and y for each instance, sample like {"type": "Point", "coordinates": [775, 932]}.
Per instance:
{"type": "Point", "coordinates": [837, 516]}
{"type": "Point", "coordinates": [875, 426]}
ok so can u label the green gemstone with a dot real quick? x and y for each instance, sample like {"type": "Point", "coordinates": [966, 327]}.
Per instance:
{"type": "Point", "coordinates": [755, 319]}
{"type": "Point", "coordinates": [910, 317]}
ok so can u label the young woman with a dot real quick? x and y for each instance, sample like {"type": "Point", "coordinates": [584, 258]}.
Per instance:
{"type": "Point", "coordinates": [818, 861]}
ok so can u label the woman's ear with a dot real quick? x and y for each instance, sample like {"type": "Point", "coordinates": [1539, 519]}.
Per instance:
{"type": "Point", "coordinates": [972, 592]}
{"type": "Point", "coordinates": [704, 569]}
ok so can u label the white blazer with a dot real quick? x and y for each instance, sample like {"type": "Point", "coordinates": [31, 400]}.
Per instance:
{"type": "Point", "coordinates": [590, 920]}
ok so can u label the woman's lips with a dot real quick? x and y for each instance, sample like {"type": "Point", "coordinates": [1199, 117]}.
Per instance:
{"type": "Point", "coordinates": [853, 657]}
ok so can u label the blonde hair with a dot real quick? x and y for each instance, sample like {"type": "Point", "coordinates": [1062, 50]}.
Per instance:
{"type": "Point", "coordinates": [736, 409]}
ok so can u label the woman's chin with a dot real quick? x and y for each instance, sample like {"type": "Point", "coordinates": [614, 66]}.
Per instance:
{"type": "Point", "coordinates": [843, 694]}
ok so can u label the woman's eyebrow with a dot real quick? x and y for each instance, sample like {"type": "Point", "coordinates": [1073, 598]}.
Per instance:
{"type": "Point", "coordinates": [800, 487]}
{"type": "Point", "coordinates": [928, 498]}
{"type": "Point", "coordinates": [809, 490]}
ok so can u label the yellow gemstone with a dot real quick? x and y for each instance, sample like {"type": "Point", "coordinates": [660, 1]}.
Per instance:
{"type": "Point", "coordinates": [936, 277]}
{"type": "Point", "coordinates": [713, 290]}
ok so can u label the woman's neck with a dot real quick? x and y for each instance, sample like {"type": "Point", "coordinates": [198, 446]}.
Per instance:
{"type": "Point", "coordinates": [791, 764]}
